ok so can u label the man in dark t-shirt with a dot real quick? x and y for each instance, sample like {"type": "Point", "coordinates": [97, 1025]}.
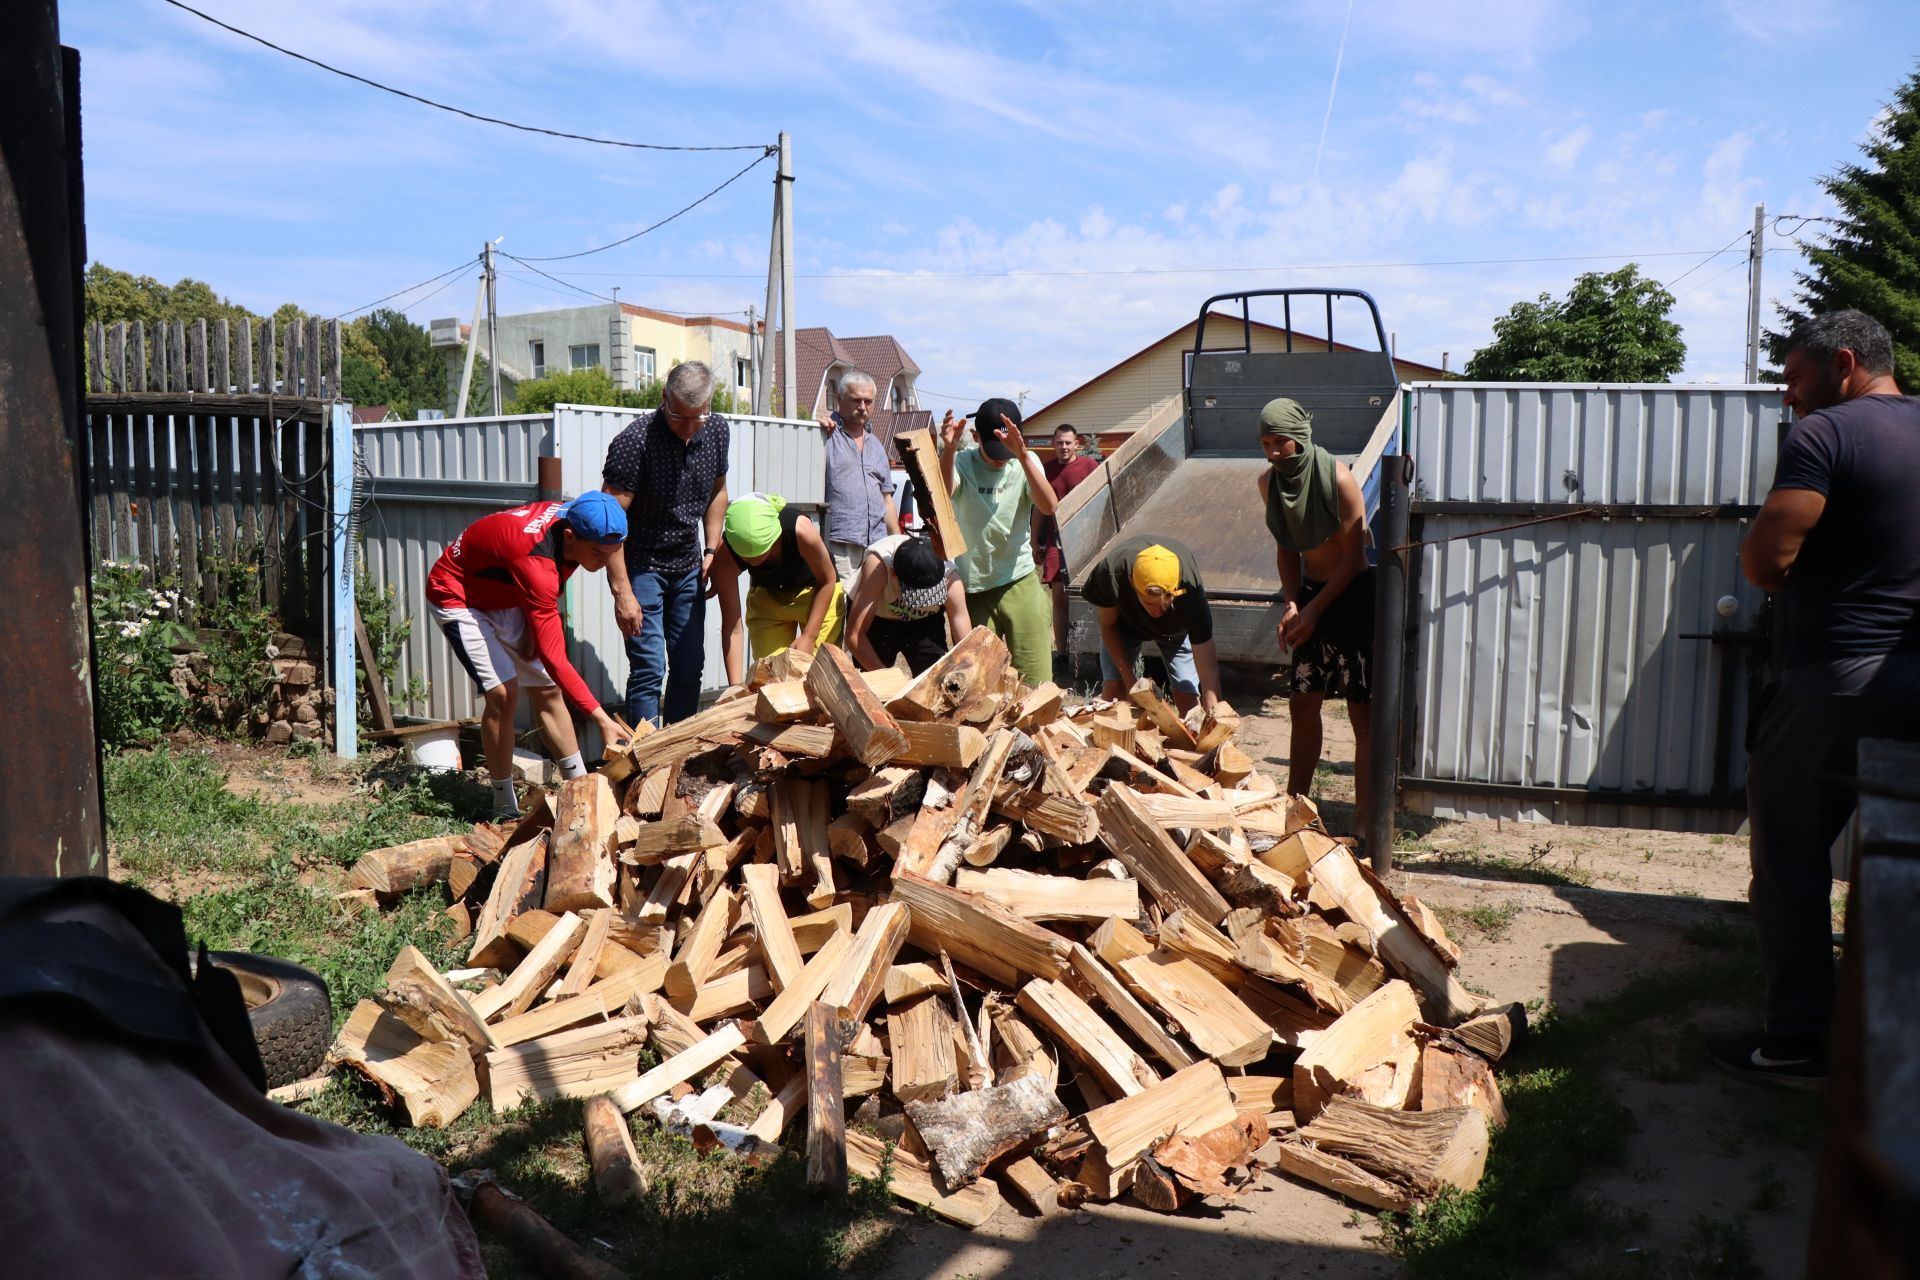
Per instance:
{"type": "Point", "coordinates": [1838, 542]}
{"type": "Point", "coordinates": [1147, 588]}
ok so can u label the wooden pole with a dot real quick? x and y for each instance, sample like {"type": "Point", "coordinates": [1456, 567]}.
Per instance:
{"type": "Point", "coordinates": [789, 374]}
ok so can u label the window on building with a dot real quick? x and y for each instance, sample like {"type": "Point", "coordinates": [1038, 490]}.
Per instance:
{"type": "Point", "coordinates": [585, 355]}
{"type": "Point", "coordinates": [643, 365]}
{"type": "Point", "coordinates": [742, 371]}
{"type": "Point", "coordinates": [537, 357]}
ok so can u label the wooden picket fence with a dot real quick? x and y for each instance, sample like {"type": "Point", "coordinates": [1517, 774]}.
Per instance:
{"type": "Point", "coordinates": [211, 469]}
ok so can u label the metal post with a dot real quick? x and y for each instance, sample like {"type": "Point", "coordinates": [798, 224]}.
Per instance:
{"type": "Point", "coordinates": [346, 725]}
{"type": "Point", "coordinates": [1756, 254]}
{"type": "Point", "coordinates": [789, 373]}
{"type": "Point", "coordinates": [1389, 661]}
{"type": "Point", "coordinates": [550, 482]}
{"type": "Point", "coordinates": [493, 331]}
{"type": "Point", "coordinates": [473, 345]}
{"type": "Point", "coordinates": [763, 386]}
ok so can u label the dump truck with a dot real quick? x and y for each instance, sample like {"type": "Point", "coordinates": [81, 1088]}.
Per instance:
{"type": "Point", "coordinates": [1190, 473]}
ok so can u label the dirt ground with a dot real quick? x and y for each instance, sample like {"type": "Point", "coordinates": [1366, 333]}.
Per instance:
{"type": "Point", "coordinates": [1704, 1145]}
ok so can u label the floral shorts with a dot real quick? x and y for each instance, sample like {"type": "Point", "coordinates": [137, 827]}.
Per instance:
{"type": "Point", "coordinates": [1337, 662]}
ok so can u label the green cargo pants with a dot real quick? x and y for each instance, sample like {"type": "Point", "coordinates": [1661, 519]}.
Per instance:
{"type": "Point", "coordinates": [1020, 613]}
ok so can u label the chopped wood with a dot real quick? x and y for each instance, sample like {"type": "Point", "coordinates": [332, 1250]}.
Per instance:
{"type": "Point", "coordinates": [393, 871]}
{"type": "Point", "coordinates": [1492, 1033]}
{"type": "Point", "coordinates": [826, 1103]}
{"type": "Point", "coordinates": [1039, 707]}
{"type": "Point", "coordinates": [710, 728]}
{"type": "Point", "coordinates": [785, 1012]}
{"type": "Point", "coordinates": [919, 853]}
{"type": "Point", "coordinates": [702, 945]}
{"type": "Point", "coordinates": [888, 794]}
{"type": "Point", "coordinates": [979, 932]}
{"type": "Point", "coordinates": [1114, 731]}
{"type": "Point", "coordinates": [1087, 1037]}
{"type": "Point", "coordinates": [434, 1081]}
{"type": "Point", "coordinates": [811, 931]}
{"type": "Point", "coordinates": [1407, 1156]}
{"type": "Point", "coordinates": [618, 1175]}
{"type": "Point", "coordinates": [1153, 858]}
{"type": "Point", "coordinates": [863, 970]}
{"type": "Point", "coordinates": [520, 886]}
{"type": "Point", "coordinates": [920, 1039]}
{"type": "Point", "coordinates": [1261, 1095]}
{"type": "Point", "coordinates": [1298, 850]}
{"type": "Point", "coordinates": [301, 1090]}
{"type": "Point", "coordinates": [657, 841]}
{"type": "Point", "coordinates": [1218, 1162]}
{"type": "Point", "coordinates": [988, 848]}
{"type": "Point", "coordinates": [777, 1114]}
{"type": "Point", "coordinates": [1161, 713]}
{"type": "Point", "coordinates": [1421, 916]}
{"type": "Point", "coordinates": [1453, 1077]}
{"type": "Point", "coordinates": [969, 1131]}
{"type": "Point", "coordinates": [1184, 933]}
{"type": "Point", "coordinates": [911, 1179]}
{"type": "Point", "coordinates": [799, 825]}
{"type": "Point", "coordinates": [586, 956]}
{"type": "Point", "coordinates": [729, 994]}
{"type": "Point", "coordinates": [836, 685]}
{"type": "Point", "coordinates": [1395, 939]}
{"type": "Point", "coordinates": [1044, 897]}
{"type": "Point", "coordinates": [648, 797]}
{"type": "Point", "coordinates": [919, 456]}
{"type": "Point", "coordinates": [770, 924]}
{"type": "Point", "coordinates": [905, 981]}
{"type": "Point", "coordinates": [1218, 1022]}
{"type": "Point", "coordinates": [1111, 992]}
{"type": "Point", "coordinates": [680, 1068]}
{"type": "Point", "coordinates": [1193, 1100]}
{"type": "Point", "coordinates": [1369, 1051]}
{"type": "Point", "coordinates": [1018, 1050]}
{"type": "Point", "coordinates": [417, 995]}
{"type": "Point", "coordinates": [847, 838]}
{"type": "Point", "coordinates": [1118, 940]}
{"type": "Point", "coordinates": [460, 916]}
{"type": "Point", "coordinates": [940, 744]}
{"type": "Point", "coordinates": [668, 1030]}
{"type": "Point", "coordinates": [973, 667]}
{"type": "Point", "coordinates": [1216, 728]}
{"type": "Point", "coordinates": [534, 1240]}
{"type": "Point", "coordinates": [1231, 765]}
{"type": "Point", "coordinates": [580, 865]}
{"type": "Point", "coordinates": [1039, 1190]}
{"type": "Point", "coordinates": [598, 1003]}
{"type": "Point", "coordinates": [530, 977]}
{"type": "Point", "coordinates": [567, 1064]}
{"type": "Point", "coordinates": [791, 700]}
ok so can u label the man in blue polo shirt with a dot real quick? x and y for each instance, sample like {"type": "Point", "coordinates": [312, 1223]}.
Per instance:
{"type": "Point", "coordinates": [859, 479]}
{"type": "Point", "coordinates": [668, 469]}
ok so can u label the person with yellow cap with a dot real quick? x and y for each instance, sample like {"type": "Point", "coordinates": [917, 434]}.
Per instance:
{"type": "Point", "coordinates": [1147, 588]}
{"type": "Point", "coordinates": [794, 600]}
{"type": "Point", "coordinates": [1318, 521]}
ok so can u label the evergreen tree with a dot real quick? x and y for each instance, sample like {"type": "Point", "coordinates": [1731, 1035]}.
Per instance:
{"type": "Point", "coordinates": [1612, 327]}
{"type": "Point", "coordinates": [1871, 261]}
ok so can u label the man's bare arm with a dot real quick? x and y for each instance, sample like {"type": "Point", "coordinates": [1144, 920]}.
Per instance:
{"type": "Point", "coordinates": [1773, 545]}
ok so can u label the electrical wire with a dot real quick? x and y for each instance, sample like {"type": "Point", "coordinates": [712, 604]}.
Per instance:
{"type": "Point", "coordinates": [1744, 235]}
{"type": "Point", "coordinates": [563, 257]}
{"type": "Point", "coordinates": [409, 289]}
{"type": "Point", "coordinates": [441, 106]}
{"type": "Point", "coordinates": [1710, 279]}
{"type": "Point", "coordinates": [737, 311]}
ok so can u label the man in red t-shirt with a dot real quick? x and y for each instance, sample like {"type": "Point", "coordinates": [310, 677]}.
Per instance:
{"type": "Point", "coordinates": [495, 594]}
{"type": "Point", "coordinates": [1067, 468]}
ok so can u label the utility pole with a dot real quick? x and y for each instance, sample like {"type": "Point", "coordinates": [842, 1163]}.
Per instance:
{"type": "Point", "coordinates": [789, 372]}
{"type": "Point", "coordinates": [753, 363]}
{"type": "Point", "coordinates": [493, 328]}
{"type": "Point", "coordinates": [763, 378]}
{"type": "Point", "coordinates": [473, 344]}
{"type": "Point", "coordinates": [1756, 253]}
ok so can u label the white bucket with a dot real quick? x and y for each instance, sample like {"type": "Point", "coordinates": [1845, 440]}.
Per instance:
{"type": "Point", "coordinates": [437, 750]}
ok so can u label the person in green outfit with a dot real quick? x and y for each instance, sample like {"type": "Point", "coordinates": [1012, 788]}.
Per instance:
{"type": "Point", "coordinates": [1318, 521]}
{"type": "Point", "coordinates": [994, 503]}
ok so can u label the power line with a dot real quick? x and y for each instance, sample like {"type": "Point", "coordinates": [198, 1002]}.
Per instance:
{"type": "Point", "coordinates": [1710, 279]}
{"type": "Point", "coordinates": [711, 311]}
{"type": "Point", "coordinates": [880, 275]}
{"type": "Point", "coordinates": [409, 289]}
{"type": "Point", "coordinates": [556, 279]}
{"type": "Point", "coordinates": [441, 106]}
{"type": "Point", "coordinates": [1744, 235]}
{"type": "Point", "coordinates": [563, 257]}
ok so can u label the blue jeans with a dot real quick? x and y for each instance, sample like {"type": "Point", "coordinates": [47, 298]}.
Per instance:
{"type": "Point", "coordinates": [671, 649]}
{"type": "Point", "coordinates": [1182, 675]}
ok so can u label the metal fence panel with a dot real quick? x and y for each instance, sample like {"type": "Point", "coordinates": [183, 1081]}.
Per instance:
{"type": "Point", "coordinates": [1575, 654]}
{"type": "Point", "coordinates": [430, 479]}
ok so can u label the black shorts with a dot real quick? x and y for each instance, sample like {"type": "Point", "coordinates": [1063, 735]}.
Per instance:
{"type": "Point", "coordinates": [1337, 661]}
{"type": "Point", "coordinates": [923, 641]}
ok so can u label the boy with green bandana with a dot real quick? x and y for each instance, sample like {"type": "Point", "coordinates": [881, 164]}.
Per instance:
{"type": "Point", "coordinates": [994, 503]}
{"type": "Point", "coordinates": [1318, 521]}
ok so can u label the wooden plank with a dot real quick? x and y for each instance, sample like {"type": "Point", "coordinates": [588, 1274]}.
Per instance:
{"type": "Point", "coordinates": [177, 376]}
{"type": "Point", "coordinates": [207, 460]}
{"type": "Point", "coordinates": [770, 924]}
{"type": "Point", "coordinates": [141, 491]}
{"type": "Point", "coordinates": [1053, 897]}
{"type": "Point", "coordinates": [870, 731]}
{"type": "Point", "coordinates": [243, 380]}
{"type": "Point", "coordinates": [197, 356]}
{"type": "Point", "coordinates": [99, 485]}
{"type": "Point", "coordinates": [920, 457]}
{"type": "Point", "coordinates": [979, 932]}
{"type": "Point", "coordinates": [1218, 1022]}
{"type": "Point", "coordinates": [166, 560]}
{"type": "Point", "coordinates": [219, 370]}
{"type": "Point", "coordinates": [680, 1068]}
{"type": "Point", "coordinates": [826, 1103]}
{"type": "Point", "coordinates": [530, 977]}
{"type": "Point", "coordinates": [185, 502]}
{"type": "Point", "coordinates": [567, 1064]}
{"type": "Point", "coordinates": [1153, 858]}
{"type": "Point", "coordinates": [96, 358]}
{"type": "Point", "coordinates": [1110, 991]}
{"type": "Point", "coordinates": [369, 664]}
{"type": "Point", "coordinates": [1087, 1037]}
{"type": "Point", "coordinates": [920, 1039]}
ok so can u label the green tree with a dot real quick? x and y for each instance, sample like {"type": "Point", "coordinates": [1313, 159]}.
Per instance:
{"type": "Point", "coordinates": [1871, 260]}
{"type": "Point", "coordinates": [387, 359]}
{"type": "Point", "coordinates": [1611, 327]}
{"type": "Point", "coordinates": [111, 296]}
{"type": "Point", "coordinates": [576, 386]}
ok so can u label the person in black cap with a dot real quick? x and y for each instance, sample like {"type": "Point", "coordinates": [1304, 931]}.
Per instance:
{"type": "Point", "coordinates": [906, 599]}
{"type": "Point", "coordinates": [994, 503]}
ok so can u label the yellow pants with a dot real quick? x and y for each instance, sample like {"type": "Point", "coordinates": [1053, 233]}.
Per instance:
{"type": "Point", "coordinates": [774, 618]}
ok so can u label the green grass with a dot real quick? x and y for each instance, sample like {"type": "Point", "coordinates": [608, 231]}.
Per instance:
{"type": "Point", "coordinates": [1566, 1123]}
{"type": "Point", "coordinates": [1534, 868]}
{"type": "Point", "coordinates": [1491, 920]}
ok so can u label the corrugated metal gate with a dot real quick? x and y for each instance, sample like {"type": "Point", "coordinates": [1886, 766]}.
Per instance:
{"type": "Point", "coordinates": [428, 480]}
{"type": "Point", "coordinates": [1579, 669]}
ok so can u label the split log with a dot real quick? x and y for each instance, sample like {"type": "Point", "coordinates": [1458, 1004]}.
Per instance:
{"type": "Point", "coordinates": [598, 1003]}
{"type": "Point", "coordinates": [1403, 1156]}
{"type": "Point", "coordinates": [1161, 713]}
{"type": "Point", "coordinates": [799, 825]}
{"type": "Point", "coordinates": [847, 838]}
{"type": "Point", "coordinates": [920, 1038]}
{"type": "Point", "coordinates": [657, 841]}
{"type": "Point", "coordinates": [393, 871]}
{"type": "Point", "coordinates": [520, 886]}
{"type": "Point", "coordinates": [580, 868]}
{"type": "Point", "coordinates": [811, 931]}
{"type": "Point", "coordinates": [680, 1068]}
{"type": "Point", "coordinates": [530, 977]}
{"type": "Point", "coordinates": [1073, 1023]}
{"type": "Point", "coordinates": [826, 1103]}
{"type": "Point", "coordinates": [777, 1114]}
{"type": "Point", "coordinates": [852, 707]}
{"type": "Point", "coordinates": [888, 794]}
{"type": "Point", "coordinates": [979, 932]}
{"type": "Point", "coordinates": [920, 458]}
{"type": "Point", "coordinates": [905, 981]}
{"type": "Point", "coordinates": [434, 1081]}
{"type": "Point", "coordinates": [1217, 728]}
{"type": "Point", "coordinates": [1492, 1033]}
{"type": "Point", "coordinates": [417, 995]}
{"type": "Point", "coordinates": [940, 744]}
{"type": "Point", "coordinates": [534, 1240]}
{"type": "Point", "coordinates": [969, 670]}
{"type": "Point", "coordinates": [1421, 916]}
{"type": "Point", "coordinates": [1039, 707]}
{"type": "Point", "coordinates": [728, 995]}
{"type": "Point", "coordinates": [1231, 765]}
{"type": "Point", "coordinates": [714, 727]}
{"type": "Point", "coordinates": [863, 970]}
{"type": "Point", "coordinates": [1046, 897]}
{"type": "Point", "coordinates": [770, 924]}
{"type": "Point", "coordinates": [790, 699]}
{"type": "Point", "coordinates": [1451, 1077]}
{"type": "Point", "coordinates": [1153, 858]}
{"type": "Point", "coordinates": [618, 1175]}
{"type": "Point", "coordinates": [780, 1017]}
{"type": "Point", "coordinates": [1218, 1022]}
{"type": "Point", "coordinates": [1395, 939]}
{"type": "Point", "coordinates": [966, 1133]}
{"type": "Point", "coordinates": [1039, 1190]}
{"type": "Point", "coordinates": [586, 956]}
{"type": "Point", "coordinates": [1184, 933]}
{"type": "Point", "coordinates": [1118, 940]}
{"type": "Point", "coordinates": [1114, 731]}
{"type": "Point", "coordinates": [919, 854]}
{"type": "Point", "coordinates": [988, 848]}
{"type": "Point", "coordinates": [701, 948]}
{"type": "Point", "coordinates": [1110, 991]}
{"type": "Point", "coordinates": [567, 1064]}
{"type": "Point", "coordinates": [912, 1180]}
{"type": "Point", "coordinates": [1193, 1100]}
{"type": "Point", "coordinates": [1017, 1049]}
{"type": "Point", "coordinates": [1369, 1051]}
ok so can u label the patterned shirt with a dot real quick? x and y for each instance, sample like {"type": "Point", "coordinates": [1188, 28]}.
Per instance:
{"type": "Point", "coordinates": [859, 482]}
{"type": "Point", "coordinates": [671, 484]}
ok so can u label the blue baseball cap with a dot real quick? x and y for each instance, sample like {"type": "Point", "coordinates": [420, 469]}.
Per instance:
{"type": "Point", "coordinates": [596, 516]}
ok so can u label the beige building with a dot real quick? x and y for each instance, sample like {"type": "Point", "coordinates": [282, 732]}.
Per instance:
{"type": "Point", "coordinates": [1129, 395]}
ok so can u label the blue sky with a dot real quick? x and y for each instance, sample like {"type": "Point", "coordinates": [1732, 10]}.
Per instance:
{"type": "Point", "coordinates": [1022, 193]}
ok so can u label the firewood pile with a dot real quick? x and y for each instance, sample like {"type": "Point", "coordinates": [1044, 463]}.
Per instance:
{"type": "Point", "coordinates": [1062, 954]}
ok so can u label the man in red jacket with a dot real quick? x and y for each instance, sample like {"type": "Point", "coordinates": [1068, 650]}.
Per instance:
{"type": "Point", "coordinates": [495, 594]}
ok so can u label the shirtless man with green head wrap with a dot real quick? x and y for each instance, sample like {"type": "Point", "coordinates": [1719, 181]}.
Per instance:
{"type": "Point", "coordinates": [1318, 521]}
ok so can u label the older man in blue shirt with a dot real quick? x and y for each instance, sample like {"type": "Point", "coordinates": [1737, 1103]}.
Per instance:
{"type": "Point", "coordinates": [859, 479]}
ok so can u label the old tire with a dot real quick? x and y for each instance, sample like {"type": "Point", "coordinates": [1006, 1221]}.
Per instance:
{"type": "Point", "coordinates": [288, 1006]}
